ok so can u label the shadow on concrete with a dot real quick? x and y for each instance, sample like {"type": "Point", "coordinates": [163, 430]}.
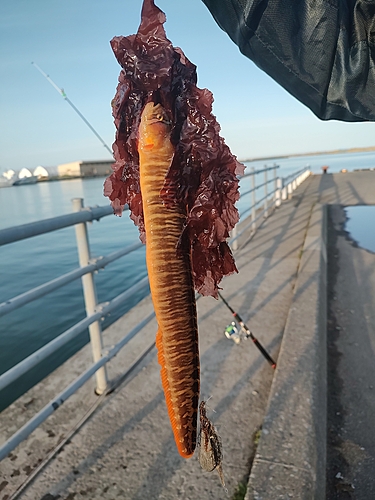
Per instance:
{"type": "Point", "coordinates": [355, 193]}
{"type": "Point", "coordinates": [168, 461]}
{"type": "Point", "coordinates": [326, 183]}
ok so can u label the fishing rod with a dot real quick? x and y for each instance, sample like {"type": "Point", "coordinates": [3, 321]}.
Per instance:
{"type": "Point", "coordinates": [63, 94]}
{"type": "Point", "coordinates": [247, 332]}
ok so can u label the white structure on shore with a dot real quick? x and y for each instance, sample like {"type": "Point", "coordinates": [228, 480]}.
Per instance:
{"type": "Point", "coordinates": [24, 172]}
{"type": "Point", "coordinates": [65, 170]}
{"type": "Point", "coordinates": [46, 172]}
{"type": "Point", "coordinates": [9, 174]}
{"type": "Point", "coordinates": [85, 168]}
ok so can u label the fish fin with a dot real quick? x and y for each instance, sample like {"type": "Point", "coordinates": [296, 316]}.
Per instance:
{"type": "Point", "coordinates": [168, 398]}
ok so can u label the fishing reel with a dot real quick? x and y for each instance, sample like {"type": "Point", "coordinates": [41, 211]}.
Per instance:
{"type": "Point", "coordinates": [233, 333]}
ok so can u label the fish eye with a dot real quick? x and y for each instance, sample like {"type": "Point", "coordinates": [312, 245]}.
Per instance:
{"type": "Point", "coordinates": [160, 117]}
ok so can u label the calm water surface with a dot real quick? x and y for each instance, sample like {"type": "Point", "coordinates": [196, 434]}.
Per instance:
{"type": "Point", "coordinates": [360, 225]}
{"type": "Point", "coordinates": [27, 264]}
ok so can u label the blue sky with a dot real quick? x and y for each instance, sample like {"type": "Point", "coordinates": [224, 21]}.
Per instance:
{"type": "Point", "coordinates": [69, 40]}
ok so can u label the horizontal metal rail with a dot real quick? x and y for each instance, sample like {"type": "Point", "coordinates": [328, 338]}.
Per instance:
{"type": "Point", "coordinates": [257, 187]}
{"type": "Point", "coordinates": [268, 197]}
{"type": "Point", "coordinates": [261, 171]}
{"type": "Point", "coordinates": [251, 222]}
{"type": "Point", "coordinates": [41, 290]}
{"type": "Point", "coordinates": [54, 404]}
{"type": "Point", "coordinates": [24, 366]}
{"type": "Point", "coordinates": [294, 175]}
{"type": "Point", "coordinates": [17, 233]}
{"type": "Point", "coordinates": [264, 198]}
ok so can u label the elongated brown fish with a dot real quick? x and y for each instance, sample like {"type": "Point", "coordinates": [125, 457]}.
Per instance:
{"type": "Point", "coordinates": [179, 180]}
{"type": "Point", "coordinates": [170, 279]}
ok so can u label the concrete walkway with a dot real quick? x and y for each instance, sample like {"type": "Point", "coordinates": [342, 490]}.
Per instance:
{"type": "Point", "coordinates": [126, 449]}
{"type": "Point", "coordinates": [291, 457]}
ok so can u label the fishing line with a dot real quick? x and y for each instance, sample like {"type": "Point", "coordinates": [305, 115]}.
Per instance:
{"type": "Point", "coordinates": [247, 333]}
{"type": "Point", "coordinates": [63, 94]}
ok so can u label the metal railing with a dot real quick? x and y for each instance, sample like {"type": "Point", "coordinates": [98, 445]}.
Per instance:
{"type": "Point", "coordinates": [282, 188]}
{"type": "Point", "coordinates": [260, 208]}
{"type": "Point", "coordinates": [95, 313]}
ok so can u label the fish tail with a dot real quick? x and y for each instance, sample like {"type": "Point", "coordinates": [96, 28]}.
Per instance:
{"type": "Point", "coordinates": [185, 449]}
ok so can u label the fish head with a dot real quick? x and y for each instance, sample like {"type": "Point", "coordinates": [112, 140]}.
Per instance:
{"type": "Point", "coordinates": [155, 127]}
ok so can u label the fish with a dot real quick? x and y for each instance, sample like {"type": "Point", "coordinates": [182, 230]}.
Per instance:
{"type": "Point", "coordinates": [179, 180]}
{"type": "Point", "coordinates": [210, 446]}
{"type": "Point", "coordinates": [170, 279]}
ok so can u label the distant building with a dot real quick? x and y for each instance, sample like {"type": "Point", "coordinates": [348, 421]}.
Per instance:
{"type": "Point", "coordinates": [25, 176]}
{"type": "Point", "coordinates": [85, 169]}
{"type": "Point", "coordinates": [24, 172]}
{"type": "Point", "coordinates": [9, 174]}
{"type": "Point", "coordinates": [44, 173]}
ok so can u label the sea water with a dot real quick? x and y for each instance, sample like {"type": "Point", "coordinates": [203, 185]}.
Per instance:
{"type": "Point", "coordinates": [32, 262]}
{"type": "Point", "coordinates": [28, 263]}
{"type": "Point", "coordinates": [360, 224]}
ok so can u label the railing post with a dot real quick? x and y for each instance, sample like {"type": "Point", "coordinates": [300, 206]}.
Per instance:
{"type": "Point", "coordinates": [290, 190]}
{"type": "Point", "coordinates": [275, 185]}
{"type": "Point", "coordinates": [265, 193]}
{"type": "Point", "coordinates": [89, 293]}
{"type": "Point", "coordinates": [284, 194]}
{"type": "Point", "coordinates": [279, 187]}
{"type": "Point", "coordinates": [233, 234]}
{"type": "Point", "coordinates": [253, 198]}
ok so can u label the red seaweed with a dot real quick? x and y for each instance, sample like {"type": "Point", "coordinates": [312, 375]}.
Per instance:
{"type": "Point", "coordinates": [203, 173]}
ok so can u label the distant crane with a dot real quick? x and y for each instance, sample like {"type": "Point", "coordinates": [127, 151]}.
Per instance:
{"type": "Point", "coordinates": [61, 92]}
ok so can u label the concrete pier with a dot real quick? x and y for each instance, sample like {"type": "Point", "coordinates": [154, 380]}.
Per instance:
{"type": "Point", "coordinates": [272, 423]}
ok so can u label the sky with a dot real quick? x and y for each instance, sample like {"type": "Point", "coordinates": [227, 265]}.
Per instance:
{"type": "Point", "coordinates": [69, 40]}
